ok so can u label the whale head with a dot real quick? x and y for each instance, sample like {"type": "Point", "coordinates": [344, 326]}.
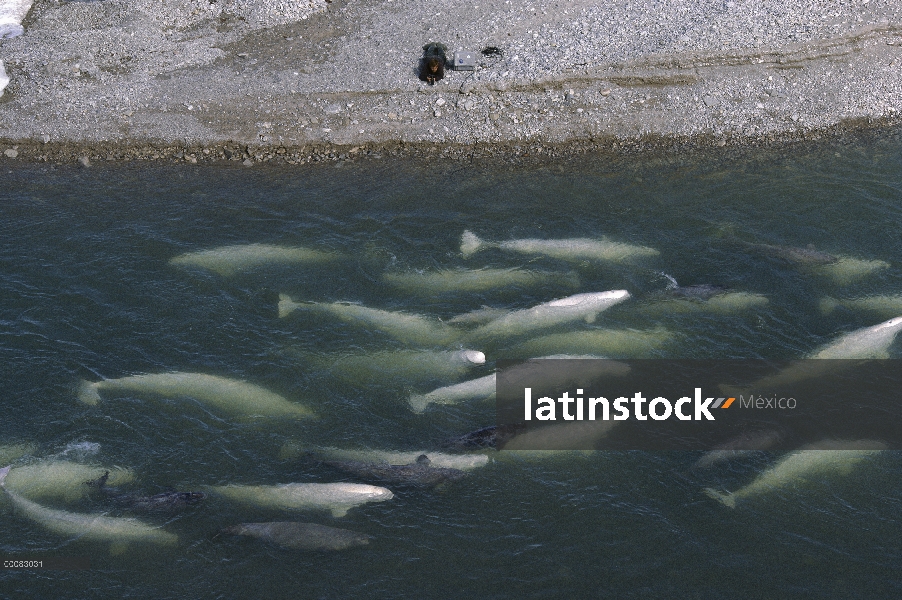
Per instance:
{"type": "Point", "coordinates": [474, 357]}
{"type": "Point", "coordinates": [895, 324]}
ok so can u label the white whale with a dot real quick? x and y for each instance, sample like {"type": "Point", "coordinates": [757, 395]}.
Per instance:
{"type": "Point", "coordinates": [337, 498]}
{"type": "Point", "coordinates": [848, 269]}
{"type": "Point", "coordinates": [231, 396]}
{"type": "Point", "coordinates": [868, 342]}
{"type": "Point", "coordinates": [883, 305]}
{"type": "Point", "coordinates": [474, 389]}
{"type": "Point", "coordinates": [480, 316]}
{"type": "Point", "coordinates": [88, 527]}
{"type": "Point", "coordinates": [410, 329]}
{"type": "Point", "coordinates": [474, 280]}
{"type": "Point", "coordinates": [727, 303]}
{"type": "Point", "coordinates": [575, 249]}
{"type": "Point", "coordinates": [622, 343]}
{"type": "Point", "coordinates": [12, 13]}
{"type": "Point", "coordinates": [861, 344]}
{"type": "Point", "coordinates": [61, 480]}
{"type": "Point", "coordinates": [229, 260]}
{"type": "Point", "coordinates": [406, 365]}
{"type": "Point", "coordinates": [803, 464]}
{"type": "Point", "coordinates": [585, 307]}
{"type": "Point", "coordinates": [742, 445]}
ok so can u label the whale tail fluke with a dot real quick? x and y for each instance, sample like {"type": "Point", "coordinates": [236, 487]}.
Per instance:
{"type": "Point", "coordinates": [727, 499]}
{"type": "Point", "coordinates": [418, 403]}
{"type": "Point", "coordinates": [88, 393]}
{"type": "Point", "coordinates": [286, 305]}
{"type": "Point", "coordinates": [828, 305]}
{"type": "Point", "coordinates": [470, 244]}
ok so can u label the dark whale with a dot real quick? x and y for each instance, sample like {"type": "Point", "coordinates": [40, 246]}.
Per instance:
{"type": "Point", "coordinates": [164, 502]}
{"type": "Point", "coordinates": [799, 256]}
{"type": "Point", "coordinates": [487, 437]}
{"type": "Point", "coordinates": [302, 536]}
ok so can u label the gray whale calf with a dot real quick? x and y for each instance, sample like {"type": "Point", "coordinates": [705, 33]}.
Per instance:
{"type": "Point", "coordinates": [302, 536]}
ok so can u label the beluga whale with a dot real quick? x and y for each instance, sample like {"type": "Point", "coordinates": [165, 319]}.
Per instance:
{"type": "Point", "coordinates": [408, 328]}
{"type": "Point", "coordinates": [482, 388]}
{"type": "Point", "coordinates": [700, 298]}
{"type": "Point", "coordinates": [337, 498]}
{"type": "Point", "coordinates": [403, 365]}
{"type": "Point", "coordinates": [884, 305]}
{"type": "Point", "coordinates": [230, 396]}
{"type": "Point", "coordinates": [420, 473]}
{"type": "Point", "coordinates": [834, 457]}
{"type": "Point", "coordinates": [119, 531]}
{"type": "Point", "coordinates": [842, 270]}
{"type": "Point", "coordinates": [461, 281]}
{"type": "Point", "coordinates": [573, 249]}
{"type": "Point", "coordinates": [580, 307]}
{"type": "Point", "coordinates": [301, 536]}
{"type": "Point", "coordinates": [862, 344]}
{"type": "Point", "coordinates": [231, 260]}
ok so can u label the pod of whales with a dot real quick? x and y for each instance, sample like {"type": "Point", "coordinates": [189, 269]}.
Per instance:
{"type": "Point", "coordinates": [337, 498]}
{"type": "Point", "coordinates": [230, 396]}
{"type": "Point", "coordinates": [801, 465]}
{"type": "Point", "coordinates": [230, 260]}
{"type": "Point", "coordinates": [575, 249]}
{"type": "Point", "coordinates": [474, 280]}
{"type": "Point", "coordinates": [89, 527]}
{"type": "Point", "coordinates": [411, 329]}
{"type": "Point", "coordinates": [301, 536]}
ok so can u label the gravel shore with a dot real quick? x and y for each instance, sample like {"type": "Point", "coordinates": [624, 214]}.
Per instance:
{"type": "Point", "coordinates": [256, 80]}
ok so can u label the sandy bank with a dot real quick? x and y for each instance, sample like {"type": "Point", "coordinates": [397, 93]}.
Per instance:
{"type": "Point", "coordinates": [256, 78]}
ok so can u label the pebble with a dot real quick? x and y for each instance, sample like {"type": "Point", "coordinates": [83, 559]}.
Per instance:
{"type": "Point", "coordinates": [248, 162]}
{"type": "Point", "coordinates": [709, 100]}
{"type": "Point", "coordinates": [84, 161]}
{"type": "Point", "coordinates": [440, 102]}
{"type": "Point", "coordinates": [11, 153]}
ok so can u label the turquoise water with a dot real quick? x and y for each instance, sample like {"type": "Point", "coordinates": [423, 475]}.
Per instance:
{"type": "Point", "coordinates": [87, 293]}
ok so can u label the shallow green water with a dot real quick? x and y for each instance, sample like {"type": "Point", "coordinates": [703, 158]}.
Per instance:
{"type": "Point", "coordinates": [87, 292]}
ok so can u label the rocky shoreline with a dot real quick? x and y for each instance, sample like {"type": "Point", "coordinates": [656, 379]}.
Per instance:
{"type": "Point", "coordinates": [196, 81]}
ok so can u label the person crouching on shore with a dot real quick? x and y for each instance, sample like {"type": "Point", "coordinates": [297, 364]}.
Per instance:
{"type": "Point", "coordinates": [432, 65]}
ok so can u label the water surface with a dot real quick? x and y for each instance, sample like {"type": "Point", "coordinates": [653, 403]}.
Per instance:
{"type": "Point", "coordinates": [87, 292]}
